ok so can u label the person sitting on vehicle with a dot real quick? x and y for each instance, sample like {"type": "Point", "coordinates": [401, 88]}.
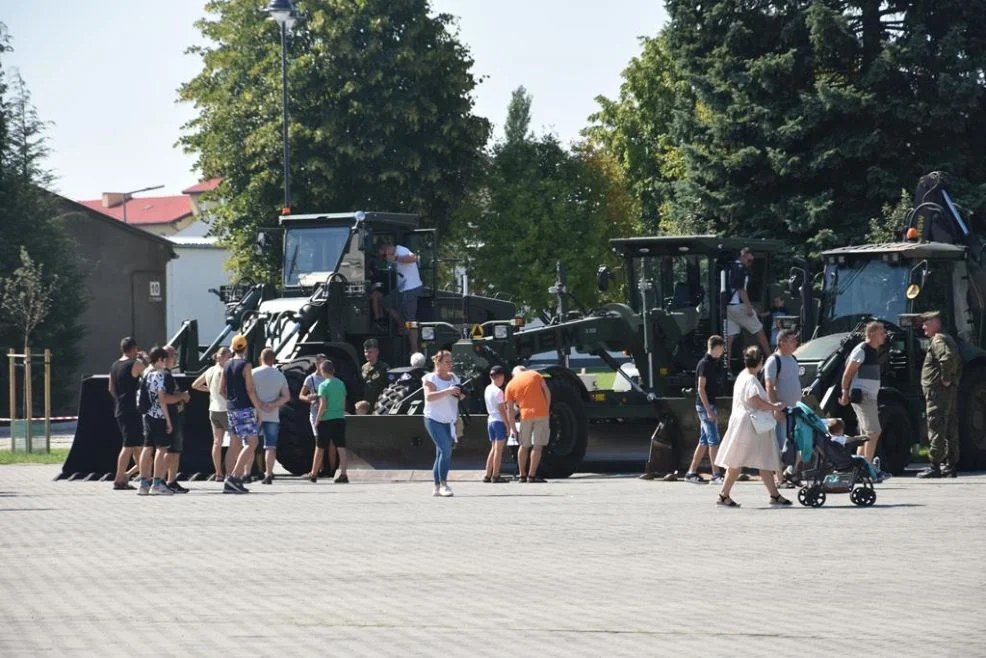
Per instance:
{"type": "Point", "coordinates": [777, 309]}
{"type": "Point", "coordinates": [374, 372]}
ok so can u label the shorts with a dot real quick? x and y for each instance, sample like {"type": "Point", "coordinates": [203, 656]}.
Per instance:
{"type": "Point", "coordinates": [868, 414]}
{"type": "Point", "coordinates": [155, 433]}
{"type": "Point", "coordinates": [406, 302]}
{"type": "Point", "coordinates": [737, 318]}
{"type": "Point", "coordinates": [333, 431]}
{"type": "Point", "coordinates": [497, 430]}
{"type": "Point", "coordinates": [219, 420]}
{"type": "Point", "coordinates": [243, 423]}
{"type": "Point", "coordinates": [270, 431]}
{"type": "Point", "coordinates": [177, 434]}
{"type": "Point", "coordinates": [709, 429]}
{"type": "Point", "coordinates": [535, 431]}
{"type": "Point", "coordinates": [131, 430]}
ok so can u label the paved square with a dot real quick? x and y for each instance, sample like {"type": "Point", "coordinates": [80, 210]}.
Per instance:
{"type": "Point", "coordinates": [588, 566]}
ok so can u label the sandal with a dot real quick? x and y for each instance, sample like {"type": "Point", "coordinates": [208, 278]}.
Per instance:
{"type": "Point", "coordinates": [499, 479]}
{"type": "Point", "coordinates": [487, 479]}
{"type": "Point", "coordinates": [779, 500]}
{"type": "Point", "coordinates": [726, 501]}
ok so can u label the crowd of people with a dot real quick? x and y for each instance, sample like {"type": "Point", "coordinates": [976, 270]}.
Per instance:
{"type": "Point", "coordinates": [245, 404]}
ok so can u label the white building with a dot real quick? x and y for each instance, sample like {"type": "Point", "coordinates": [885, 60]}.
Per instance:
{"type": "Point", "coordinates": [198, 268]}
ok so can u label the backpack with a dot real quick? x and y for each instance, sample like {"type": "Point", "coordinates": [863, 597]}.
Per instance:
{"type": "Point", "coordinates": [143, 394]}
{"type": "Point", "coordinates": [780, 362]}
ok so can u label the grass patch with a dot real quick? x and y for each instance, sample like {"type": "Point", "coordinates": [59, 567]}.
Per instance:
{"type": "Point", "coordinates": [53, 457]}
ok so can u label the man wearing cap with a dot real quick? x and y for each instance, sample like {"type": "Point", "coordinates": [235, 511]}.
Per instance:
{"type": "Point", "coordinates": [496, 424]}
{"type": "Point", "coordinates": [940, 376]}
{"type": "Point", "coordinates": [242, 409]}
{"type": "Point", "coordinates": [374, 372]}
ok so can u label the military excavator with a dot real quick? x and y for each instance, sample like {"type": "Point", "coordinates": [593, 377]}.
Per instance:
{"type": "Point", "coordinates": [322, 306]}
{"type": "Point", "coordinates": [935, 264]}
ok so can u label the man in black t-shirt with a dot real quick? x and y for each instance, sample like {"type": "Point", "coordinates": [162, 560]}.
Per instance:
{"type": "Point", "coordinates": [709, 375]}
{"type": "Point", "coordinates": [177, 414]}
{"type": "Point", "coordinates": [123, 382]}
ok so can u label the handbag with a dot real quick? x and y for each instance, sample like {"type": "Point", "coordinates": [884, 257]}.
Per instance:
{"type": "Point", "coordinates": [763, 421]}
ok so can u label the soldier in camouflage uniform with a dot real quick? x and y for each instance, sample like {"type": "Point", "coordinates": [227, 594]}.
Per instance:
{"type": "Point", "coordinates": [940, 381]}
{"type": "Point", "coordinates": [374, 372]}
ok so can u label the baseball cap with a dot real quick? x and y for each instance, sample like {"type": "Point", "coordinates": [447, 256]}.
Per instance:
{"type": "Point", "coordinates": [497, 370]}
{"type": "Point", "coordinates": [371, 344]}
{"type": "Point", "coordinates": [239, 343]}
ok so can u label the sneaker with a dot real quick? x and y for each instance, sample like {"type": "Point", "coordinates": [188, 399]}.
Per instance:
{"type": "Point", "coordinates": [268, 480]}
{"type": "Point", "coordinates": [342, 479]}
{"type": "Point", "coordinates": [176, 488]}
{"type": "Point", "coordinates": [229, 487]}
{"type": "Point", "coordinates": [930, 473]}
{"type": "Point", "coordinates": [694, 478]}
{"type": "Point", "coordinates": [123, 486]}
{"type": "Point", "coordinates": [948, 471]}
{"type": "Point", "coordinates": [161, 489]}
{"type": "Point", "coordinates": [717, 479]}
{"type": "Point", "coordinates": [436, 493]}
{"type": "Point", "coordinates": [145, 488]}
{"type": "Point", "coordinates": [444, 491]}
{"type": "Point", "coordinates": [882, 476]}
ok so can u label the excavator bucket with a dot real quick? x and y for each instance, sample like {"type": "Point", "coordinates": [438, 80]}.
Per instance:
{"type": "Point", "coordinates": [97, 439]}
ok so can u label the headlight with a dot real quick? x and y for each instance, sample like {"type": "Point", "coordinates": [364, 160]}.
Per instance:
{"type": "Point", "coordinates": [428, 333]}
{"type": "Point", "coordinates": [500, 331]}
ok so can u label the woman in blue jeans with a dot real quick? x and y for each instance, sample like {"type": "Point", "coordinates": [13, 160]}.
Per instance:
{"type": "Point", "coordinates": [442, 395]}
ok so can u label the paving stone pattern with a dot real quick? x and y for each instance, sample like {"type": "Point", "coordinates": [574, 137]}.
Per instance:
{"type": "Point", "coordinates": [598, 566]}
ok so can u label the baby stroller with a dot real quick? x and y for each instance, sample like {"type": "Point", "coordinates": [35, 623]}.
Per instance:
{"type": "Point", "coordinates": [830, 468]}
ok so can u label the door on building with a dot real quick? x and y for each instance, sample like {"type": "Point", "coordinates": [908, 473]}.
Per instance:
{"type": "Point", "coordinates": [148, 308]}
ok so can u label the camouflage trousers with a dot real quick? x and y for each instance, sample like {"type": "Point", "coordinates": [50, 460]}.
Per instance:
{"type": "Point", "coordinates": [943, 426]}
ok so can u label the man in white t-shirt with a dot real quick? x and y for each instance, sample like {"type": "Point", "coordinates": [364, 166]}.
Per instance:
{"type": "Point", "coordinates": [409, 286]}
{"type": "Point", "coordinates": [272, 390]}
{"type": "Point", "coordinates": [496, 424]}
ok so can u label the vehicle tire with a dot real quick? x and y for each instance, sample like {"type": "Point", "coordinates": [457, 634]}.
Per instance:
{"type": "Point", "coordinates": [972, 420]}
{"type": "Point", "coordinates": [296, 444]}
{"type": "Point", "coordinates": [569, 431]}
{"type": "Point", "coordinates": [896, 437]}
{"type": "Point", "coordinates": [396, 392]}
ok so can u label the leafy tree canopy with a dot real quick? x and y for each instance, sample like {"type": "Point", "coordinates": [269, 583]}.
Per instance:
{"type": "Point", "coordinates": [380, 105]}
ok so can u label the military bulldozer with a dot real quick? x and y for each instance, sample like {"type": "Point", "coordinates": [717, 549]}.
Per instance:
{"type": "Point", "coordinates": [936, 264]}
{"type": "Point", "coordinates": [322, 306]}
{"type": "Point", "coordinates": [675, 299]}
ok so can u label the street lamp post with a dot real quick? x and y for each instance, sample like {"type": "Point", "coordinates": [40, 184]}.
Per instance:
{"type": "Point", "coordinates": [282, 12]}
{"type": "Point", "coordinates": [129, 195]}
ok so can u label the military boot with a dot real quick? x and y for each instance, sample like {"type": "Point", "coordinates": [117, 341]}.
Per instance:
{"type": "Point", "coordinates": [949, 471]}
{"type": "Point", "coordinates": [933, 471]}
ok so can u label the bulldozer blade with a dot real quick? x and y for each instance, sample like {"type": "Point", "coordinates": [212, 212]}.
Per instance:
{"type": "Point", "coordinates": [400, 441]}
{"type": "Point", "coordinates": [97, 439]}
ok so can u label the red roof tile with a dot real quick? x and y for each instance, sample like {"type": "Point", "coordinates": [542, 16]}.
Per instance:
{"type": "Point", "coordinates": [204, 186]}
{"type": "Point", "coordinates": [147, 210]}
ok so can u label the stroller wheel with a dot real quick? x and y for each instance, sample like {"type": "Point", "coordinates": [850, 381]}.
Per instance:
{"type": "Point", "coordinates": [804, 496]}
{"type": "Point", "coordinates": [817, 496]}
{"type": "Point", "coordinates": [863, 497]}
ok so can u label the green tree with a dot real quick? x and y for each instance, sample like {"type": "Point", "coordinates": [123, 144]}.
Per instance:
{"type": "Point", "coordinates": [29, 224]}
{"type": "Point", "coordinates": [541, 204]}
{"type": "Point", "coordinates": [518, 125]}
{"type": "Point", "coordinates": [636, 130]}
{"type": "Point", "coordinates": [381, 115]}
{"type": "Point", "coordinates": [811, 115]}
{"type": "Point", "coordinates": [26, 296]}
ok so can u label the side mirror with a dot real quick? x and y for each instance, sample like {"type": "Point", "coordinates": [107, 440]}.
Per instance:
{"type": "Point", "coordinates": [603, 275]}
{"type": "Point", "coordinates": [915, 280]}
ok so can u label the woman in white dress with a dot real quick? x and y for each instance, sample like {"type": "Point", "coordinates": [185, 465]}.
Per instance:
{"type": "Point", "coordinates": [742, 446]}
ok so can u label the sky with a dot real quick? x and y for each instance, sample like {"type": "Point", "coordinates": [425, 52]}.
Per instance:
{"type": "Point", "coordinates": [104, 73]}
